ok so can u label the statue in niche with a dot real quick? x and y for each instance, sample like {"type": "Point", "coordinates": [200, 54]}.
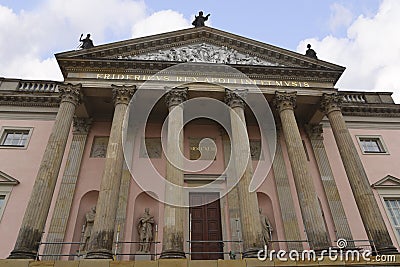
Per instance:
{"type": "Point", "coordinates": [311, 52]}
{"type": "Point", "coordinates": [86, 43]}
{"type": "Point", "coordinates": [200, 19]}
{"type": "Point", "coordinates": [89, 221]}
{"type": "Point", "coordinates": [266, 228]}
{"type": "Point", "coordinates": [145, 230]}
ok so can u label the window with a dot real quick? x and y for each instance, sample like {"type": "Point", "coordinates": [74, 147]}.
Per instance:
{"type": "Point", "coordinates": [6, 185]}
{"type": "Point", "coordinates": [388, 189]}
{"type": "Point", "coordinates": [15, 137]}
{"type": "Point", "coordinates": [393, 208]}
{"type": "Point", "coordinates": [372, 145]}
{"type": "Point", "coordinates": [2, 203]}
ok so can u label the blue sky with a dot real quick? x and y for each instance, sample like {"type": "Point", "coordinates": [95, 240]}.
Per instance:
{"type": "Point", "coordinates": [349, 33]}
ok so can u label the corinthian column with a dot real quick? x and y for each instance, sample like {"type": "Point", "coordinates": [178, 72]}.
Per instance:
{"type": "Point", "coordinates": [315, 133]}
{"type": "Point", "coordinates": [58, 224]}
{"type": "Point", "coordinates": [310, 210]}
{"type": "Point", "coordinates": [290, 225]}
{"type": "Point", "coordinates": [101, 239]}
{"type": "Point", "coordinates": [248, 204]}
{"type": "Point", "coordinates": [37, 210]}
{"type": "Point", "coordinates": [366, 202]}
{"type": "Point", "coordinates": [173, 215]}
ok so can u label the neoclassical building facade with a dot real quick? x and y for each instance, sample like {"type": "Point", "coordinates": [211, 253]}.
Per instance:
{"type": "Point", "coordinates": [71, 169]}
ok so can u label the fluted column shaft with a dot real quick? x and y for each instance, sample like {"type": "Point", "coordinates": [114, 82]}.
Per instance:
{"type": "Point", "coordinates": [248, 204]}
{"type": "Point", "coordinates": [332, 194]}
{"type": "Point", "coordinates": [58, 224]}
{"type": "Point", "coordinates": [366, 202]}
{"type": "Point", "coordinates": [290, 225]}
{"type": "Point", "coordinates": [38, 207]}
{"type": "Point", "coordinates": [101, 239]}
{"type": "Point", "coordinates": [173, 215]}
{"type": "Point", "coordinates": [310, 209]}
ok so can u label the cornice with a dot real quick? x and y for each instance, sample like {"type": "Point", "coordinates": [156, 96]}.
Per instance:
{"type": "Point", "coordinates": [30, 100]}
{"type": "Point", "coordinates": [148, 67]}
{"type": "Point", "coordinates": [371, 110]}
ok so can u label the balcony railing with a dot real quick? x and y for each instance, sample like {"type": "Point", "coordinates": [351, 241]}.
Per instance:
{"type": "Point", "coordinates": [37, 87]}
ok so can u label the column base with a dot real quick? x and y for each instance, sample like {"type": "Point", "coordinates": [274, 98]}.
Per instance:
{"type": "Point", "coordinates": [99, 254]}
{"type": "Point", "coordinates": [172, 254]}
{"type": "Point", "coordinates": [23, 254]}
{"type": "Point", "coordinates": [251, 253]}
{"type": "Point", "coordinates": [387, 250]}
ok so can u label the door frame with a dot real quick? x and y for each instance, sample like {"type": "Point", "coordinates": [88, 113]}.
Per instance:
{"type": "Point", "coordinates": [216, 188]}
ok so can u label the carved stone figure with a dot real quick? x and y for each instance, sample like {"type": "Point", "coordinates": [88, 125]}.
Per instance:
{"type": "Point", "coordinates": [89, 221]}
{"type": "Point", "coordinates": [310, 52]}
{"type": "Point", "coordinates": [266, 228]}
{"type": "Point", "coordinates": [202, 52]}
{"type": "Point", "coordinates": [200, 19]}
{"type": "Point", "coordinates": [145, 230]}
{"type": "Point", "coordinates": [86, 43]}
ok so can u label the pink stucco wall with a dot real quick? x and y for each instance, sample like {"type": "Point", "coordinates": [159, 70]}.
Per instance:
{"type": "Point", "coordinates": [21, 164]}
{"type": "Point", "coordinates": [88, 185]}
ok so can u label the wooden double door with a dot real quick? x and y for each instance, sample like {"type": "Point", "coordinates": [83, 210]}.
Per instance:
{"type": "Point", "coordinates": [205, 226]}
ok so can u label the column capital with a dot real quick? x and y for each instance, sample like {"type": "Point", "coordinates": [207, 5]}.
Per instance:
{"type": "Point", "coordinates": [122, 94]}
{"type": "Point", "coordinates": [175, 96]}
{"type": "Point", "coordinates": [331, 102]}
{"type": "Point", "coordinates": [235, 98]}
{"type": "Point", "coordinates": [81, 125]}
{"type": "Point", "coordinates": [315, 131]}
{"type": "Point", "coordinates": [284, 100]}
{"type": "Point", "coordinates": [70, 93]}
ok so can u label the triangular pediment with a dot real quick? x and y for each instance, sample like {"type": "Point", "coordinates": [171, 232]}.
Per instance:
{"type": "Point", "coordinates": [6, 179]}
{"type": "Point", "coordinates": [388, 182]}
{"type": "Point", "coordinates": [202, 44]}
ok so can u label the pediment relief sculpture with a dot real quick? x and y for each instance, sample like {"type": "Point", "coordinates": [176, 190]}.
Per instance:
{"type": "Point", "coordinates": [203, 52]}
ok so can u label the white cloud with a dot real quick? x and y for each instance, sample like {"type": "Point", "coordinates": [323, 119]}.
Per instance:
{"type": "Point", "coordinates": [28, 39]}
{"type": "Point", "coordinates": [340, 16]}
{"type": "Point", "coordinates": [159, 22]}
{"type": "Point", "coordinates": [370, 51]}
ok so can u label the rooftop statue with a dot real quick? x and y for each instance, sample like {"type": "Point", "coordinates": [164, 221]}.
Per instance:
{"type": "Point", "coordinates": [200, 19]}
{"type": "Point", "coordinates": [86, 43]}
{"type": "Point", "coordinates": [310, 52]}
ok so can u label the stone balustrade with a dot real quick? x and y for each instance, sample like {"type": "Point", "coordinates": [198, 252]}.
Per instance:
{"type": "Point", "coordinates": [32, 86]}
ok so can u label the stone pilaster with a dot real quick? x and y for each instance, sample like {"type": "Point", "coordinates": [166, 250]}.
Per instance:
{"type": "Point", "coordinates": [312, 216]}
{"type": "Point", "coordinates": [101, 240]}
{"type": "Point", "coordinates": [332, 194]}
{"type": "Point", "coordinates": [172, 246]}
{"type": "Point", "coordinates": [248, 204]}
{"type": "Point", "coordinates": [290, 225]}
{"type": "Point", "coordinates": [366, 202]}
{"type": "Point", "coordinates": [58, 224]}
{"type": "Point", "coordinates": [38, 207]}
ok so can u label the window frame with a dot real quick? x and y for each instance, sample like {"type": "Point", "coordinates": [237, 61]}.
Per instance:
{"type": "Point", "coordinates": [388, 192]}
{"type": "Point", "coordinates": [380, 142]}
{"type": "Point", "coordinates": [6, 193]}
{"type": "Point", "coordinates": [5, 129]}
